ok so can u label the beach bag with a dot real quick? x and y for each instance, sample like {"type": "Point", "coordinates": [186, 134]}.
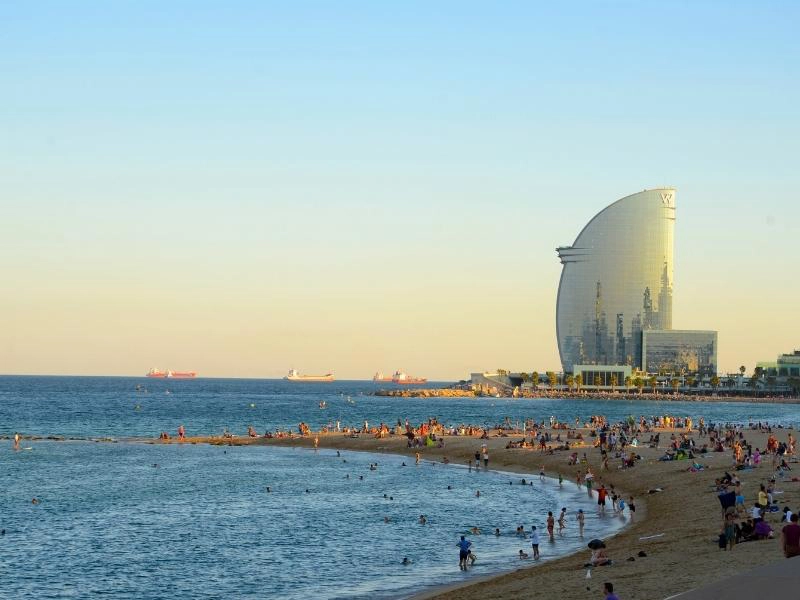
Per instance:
{"type": "Point", "coordinates": [722, 541]}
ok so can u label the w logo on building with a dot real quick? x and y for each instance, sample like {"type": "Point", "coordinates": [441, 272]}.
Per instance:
{"type": "Point", "coordinates": [666, 198]}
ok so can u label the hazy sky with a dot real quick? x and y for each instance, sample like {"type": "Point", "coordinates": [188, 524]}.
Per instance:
{"type": "Point", "coordinates": [245, 187]}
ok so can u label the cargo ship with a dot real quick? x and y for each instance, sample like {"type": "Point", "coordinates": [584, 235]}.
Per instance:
{"type": "Point", "coordinates": [405, 379]}
{"type": "Point", "coordinates": [381, 378]}
{"type": "Point", "coordinates": [294, 376]}
{"type": "Point", "coordinates": [171, 374]}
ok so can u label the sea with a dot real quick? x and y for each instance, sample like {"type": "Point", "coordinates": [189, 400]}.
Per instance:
{"type": "Point", "coordinates": [120, 518]}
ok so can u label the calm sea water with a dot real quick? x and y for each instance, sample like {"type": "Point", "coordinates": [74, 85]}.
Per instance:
{"type": "Point", "coordinates": [112, 406]}
{"type": "Point", "coordinates": [133, 520]}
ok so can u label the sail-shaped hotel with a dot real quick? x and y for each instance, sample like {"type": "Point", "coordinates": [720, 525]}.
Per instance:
{"type": "Point", "coordinates": [617, 282]}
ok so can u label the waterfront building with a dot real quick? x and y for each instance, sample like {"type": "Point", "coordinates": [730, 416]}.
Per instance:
{"type": "Point", "coordinates": [680, 352]}
{"type": "Point", "coordinates": [602, 375]}
{"type": "Point", "coordinates": [787, 365]}
{"type": "Point", "coordinates": [617, 281]}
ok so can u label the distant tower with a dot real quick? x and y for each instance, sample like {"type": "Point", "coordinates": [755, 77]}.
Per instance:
{"type": "Point", "coordinates": [620, 264]}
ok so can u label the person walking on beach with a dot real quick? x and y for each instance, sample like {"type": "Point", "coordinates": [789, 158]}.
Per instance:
{"type": "Point", "coordinates": [463, 552]}
{"type": "Point", "coordinates": [608, 591]}
{"type": "Point", "coordinates": [562, 521]}
{"type": "Point", "coordinates": [581, 518]}
{"type": "Point", "coordinates": [477, 460]}
{"type": "Point", "coordinates": [790, 538]}
{"type": "Point", "coordinates": [551, 523]}
{"type": "Point", "coordinates": [535, 542]}
{"type": "Point", "coordinates": [485, 458]}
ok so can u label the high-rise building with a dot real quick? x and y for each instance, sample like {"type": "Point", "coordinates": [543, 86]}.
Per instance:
{"type": "Point", "coordinates": [617, 281]}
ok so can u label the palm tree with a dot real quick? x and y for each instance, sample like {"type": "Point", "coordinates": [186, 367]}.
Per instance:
{"type": "Point", "coordinates": [742, 370]}
{"type": "Point", "coordinates": [535, 379]}
{"type": "Point", "coordinates": [570, 382]}
{"type": "Point", "coordinates": [614, 381]}
{"type": "Point", "coordinates": [552, 379]}
{"type": "Point", "coordinates": [628, 382]}
{"type": "Point", "coordinates": [639, 383]}
{"type": "Point", "coordinates": [578, 381]}
{"type": "Point", "coordinates": [524, 376]}
{"type": "Point", "coordinates": [675, 382]}
{"type": "Point", "coordinates": [653, 382]}
{"type": "Point", "coordinates": [715, 381]}
{"type": "Point", "coordinates": [691, 381]}
{"type": "Point", "coordinates": [598, 381]}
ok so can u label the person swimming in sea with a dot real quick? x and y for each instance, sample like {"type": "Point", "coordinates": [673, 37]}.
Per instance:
{"type": "Point", "coordinates": [422, 520]}
{"type": "Point", "coordinates": [405, 561]}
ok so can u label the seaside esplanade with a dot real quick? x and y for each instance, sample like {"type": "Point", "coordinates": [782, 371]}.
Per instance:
{"type": "Point", "coordinates": [617, 281]}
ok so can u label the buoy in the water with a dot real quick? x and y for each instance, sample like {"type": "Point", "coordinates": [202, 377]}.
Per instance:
{"type": "Point", "coordinates": [252, 405]}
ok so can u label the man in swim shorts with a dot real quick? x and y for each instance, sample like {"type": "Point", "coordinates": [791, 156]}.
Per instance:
{"type": "Point", "coordinates": [551, 522]}
{"type": "Point", "coordinates": [463, 552]}
{"type": "Point", "coordinates": [601, 498]}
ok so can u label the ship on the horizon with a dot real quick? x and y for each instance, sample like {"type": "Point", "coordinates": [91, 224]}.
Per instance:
{"type": "Point", "coordinates": [381, 378]}
{"type": "Point", "coordinates": [168, 374]}
{"type": "Point", "coordinates": [294, 376]}
{"type": "Point", "coordinates": [401, 378]}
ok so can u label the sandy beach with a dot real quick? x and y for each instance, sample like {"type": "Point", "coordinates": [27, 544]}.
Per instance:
{"type": "Point", "coordinates": [686, 517]}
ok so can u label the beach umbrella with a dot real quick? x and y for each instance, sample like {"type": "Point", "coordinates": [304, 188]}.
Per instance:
{"type": "Point", "coordinates": [596, 544]}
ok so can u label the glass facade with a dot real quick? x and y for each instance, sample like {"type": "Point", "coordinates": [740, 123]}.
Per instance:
{"type": "Point", "coordinates": [787, 365]}
{"type": "Point", "coordinates": [680, 352]}
{"type": "Point", "coordinates": [617, 281]}
{"type": "Point", "coordinates": [601, 375]}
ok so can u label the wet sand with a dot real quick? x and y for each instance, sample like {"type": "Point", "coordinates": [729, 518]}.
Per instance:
{"type": "Point", "coordinates": [687, 513]}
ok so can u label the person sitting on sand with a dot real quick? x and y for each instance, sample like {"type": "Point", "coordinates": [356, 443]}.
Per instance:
{"type": "Point", "coordinates": [599, 558]}
{"type": "Point", "coordinates": [763, 531]}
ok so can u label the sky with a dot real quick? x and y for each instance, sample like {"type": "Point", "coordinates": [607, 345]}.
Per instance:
{"type": "Point", "coordinates": [245, 187]}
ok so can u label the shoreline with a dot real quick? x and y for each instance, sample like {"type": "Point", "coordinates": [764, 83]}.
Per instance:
{"type": "Point", "coordinates": [685, 515]}
{"type": "Point", "coordinates": [586, 395]}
